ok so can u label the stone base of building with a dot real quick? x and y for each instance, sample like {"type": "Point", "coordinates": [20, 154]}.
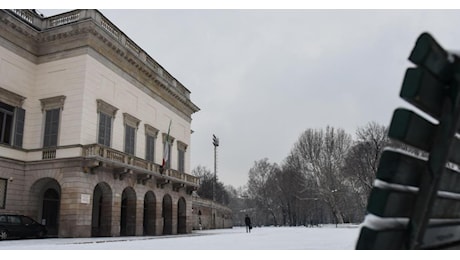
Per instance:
{"type": "Point", "coordinates": [73, 201]}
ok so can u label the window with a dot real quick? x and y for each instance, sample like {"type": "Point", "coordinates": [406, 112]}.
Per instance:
{"type": "Point", "coordinates": [105, 129]}
{"type": "Point", "coordinates": [6, 123]}
{"type": "Point", "coordinates": [19, 126]}
{"type": "Point", "coordinates": [131, 124]}
{"type": "Point", "coordinates": [150, 148]}
{"type": "Point", "coordinates": [181, 161]}
{"type": "Point", "coordinates": [26, 220]}
{"type": "Point", "coordinates": [11, 118]}
{"type": "Point", "coordinates": [52, 108]}
{"type": "Point", "coordinates": [14, 220]}
{"type": "Point", "coordinates": [150, 140]}
{"type": "Point", "coordinates": [130, 136]}
{"type": "Point", "coordinates": [181, 148]}
{"type": "Point", "coordinates": [106, 113]}
{"type": "Point", "coordinates": [3, 183]}
{"type": "Point", "coordinates": [51, 127]}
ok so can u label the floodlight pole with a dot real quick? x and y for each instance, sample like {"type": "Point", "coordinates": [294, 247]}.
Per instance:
{"type": "Point", "coordinates": [215, 142]}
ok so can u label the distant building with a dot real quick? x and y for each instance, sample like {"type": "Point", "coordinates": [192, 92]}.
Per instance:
{"type": "Point", "coordinates": [84, 118]}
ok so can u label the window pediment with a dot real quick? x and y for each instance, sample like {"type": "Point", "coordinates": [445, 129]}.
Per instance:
{"type": "Point", "coordinates": [150, 130]}
{"type": "Point", "coordinates": [53, 103]}
{"type": "Point", "coordinates": [11, 98]}
{"type": "Point", "coordinates": [181, 145]}
{"type": "Point", "coordinates": [131, 120]}
{"type": "Point", "coordinates": [106, 108]}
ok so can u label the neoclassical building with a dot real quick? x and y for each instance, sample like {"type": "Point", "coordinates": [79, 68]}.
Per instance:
{"type": "Point", "coordinates": [84, 119]}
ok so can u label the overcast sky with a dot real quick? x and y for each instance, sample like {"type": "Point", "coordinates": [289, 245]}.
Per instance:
{"type": "Point", "coordinates": [262, 77]}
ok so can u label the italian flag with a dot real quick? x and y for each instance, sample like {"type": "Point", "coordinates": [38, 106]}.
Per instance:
{"type": "Point", "coordinates": [166, 150]}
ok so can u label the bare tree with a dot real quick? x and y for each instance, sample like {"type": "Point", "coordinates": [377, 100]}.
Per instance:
{"type": "Point", "coordinates": [207, 185]}
{"type": "Point", "coordinates": [363, 158]}
{"type": "Point", "coordinates": [322, 156]}
{"type": "Point", "coordinates": [261, 191]}
{"type": "Point", "coordinates": [296, 209]}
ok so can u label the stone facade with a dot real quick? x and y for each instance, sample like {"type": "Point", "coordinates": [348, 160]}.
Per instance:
{"type": "Point", "coordinates": [83, 111]}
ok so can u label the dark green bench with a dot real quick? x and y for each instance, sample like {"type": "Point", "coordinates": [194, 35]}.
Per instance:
{"type": "Point", "coordinates": [415, 200]}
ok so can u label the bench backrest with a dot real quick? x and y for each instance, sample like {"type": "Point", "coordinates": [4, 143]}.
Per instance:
{"type": "Point", "coordinates": [415, 200]}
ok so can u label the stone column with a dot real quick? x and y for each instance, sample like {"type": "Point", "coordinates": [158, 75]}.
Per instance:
{"type": "Point", "coordinates": [158, 217]}
{"type": "Point", "coordinates": [75, 207]}
{"type": "Point", "coordinates": [139, 215]}
{"type": "Point", "coordinates": [116, 213]}
{"type": "Point", "coordinates": [174, 215]}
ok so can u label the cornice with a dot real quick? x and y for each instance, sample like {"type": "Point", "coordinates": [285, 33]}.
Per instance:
{"type": "Point", "coordinates": [88, 33]}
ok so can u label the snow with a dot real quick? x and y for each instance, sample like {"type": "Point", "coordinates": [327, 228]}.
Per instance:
{"type": "Point", "coordinates": [263, 238]}
{"type": "Point", "coordinates": [272, 242]}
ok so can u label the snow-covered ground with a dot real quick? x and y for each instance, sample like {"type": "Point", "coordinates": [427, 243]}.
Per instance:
{"type": "Point", "coordinates": [262, 243]}
{"type": "Point", "coordinates": [280, 243]}
{"type": "Point", "coordinates": [264, 238]}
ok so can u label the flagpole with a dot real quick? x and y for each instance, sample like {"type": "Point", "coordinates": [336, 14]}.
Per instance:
{"type": "Point", "coordinates": [166, 149]}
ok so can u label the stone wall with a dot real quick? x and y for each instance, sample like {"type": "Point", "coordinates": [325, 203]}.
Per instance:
{"type": "Point", "coordinates": [207, 214]}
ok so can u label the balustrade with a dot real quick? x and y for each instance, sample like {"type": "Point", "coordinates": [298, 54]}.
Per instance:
{"type": "Point", "coordinates": [120, 157]}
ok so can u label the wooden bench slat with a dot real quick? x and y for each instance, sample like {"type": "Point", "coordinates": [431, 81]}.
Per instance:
{"type": "Point", "coordinates": [421, 89]}
{"type": "Point", "coordinates": [428, 54]}
{"type": "Point", "coordinates": [403, 168]}
{"type": "Point", "coordinates": [412, 129]}
{"type": "Point", "coordinates": [436, 236]}
{"type": "Point", "coordinates": [399, 204]}
{"type": "Point", "coordinates": [380, 240]}
{"type": "Point", "coordinates": [390, 203]}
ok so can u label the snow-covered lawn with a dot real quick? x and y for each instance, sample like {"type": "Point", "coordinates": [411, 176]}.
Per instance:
{"type": "Point", "coordinates": [236, 238]}
{"type": "Point", "coordinates": [262, 238]}
{"type": "Point", "coordinates": [280, 243]}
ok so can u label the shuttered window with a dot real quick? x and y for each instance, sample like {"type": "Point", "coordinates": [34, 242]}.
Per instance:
{"type": "Point", "coordinates": [181, 161]}
{"type": "Point", "coordinates": [130, 137]}
{"type": "Point", "coordinates": [150, 148]}
{"type": "Point", "coordinates": [51, 128]}
{"type": "Point", "coordinates": [181, 148]}
{"type": "Point", "coordinates": [105, 129]}
{"type": "Point", "coordinates": [6, 123]}
{"type": "Point", "coordinates": [19, 126]}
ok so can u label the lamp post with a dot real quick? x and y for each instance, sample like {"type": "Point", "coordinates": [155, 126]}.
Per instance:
{"type": "Point", "coordinates": [215, 142]}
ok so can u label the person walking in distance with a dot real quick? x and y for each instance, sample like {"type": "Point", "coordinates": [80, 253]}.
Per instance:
{"type": "Point", "coordinates": [247, 221]}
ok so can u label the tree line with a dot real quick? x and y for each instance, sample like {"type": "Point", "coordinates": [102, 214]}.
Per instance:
{"type": "Point", "coordinates": [326, 178]}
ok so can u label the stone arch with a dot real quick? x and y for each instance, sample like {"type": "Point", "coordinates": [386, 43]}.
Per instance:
{"type": "Point", "coordinates": [167, 215]}
{"type": "Point", "coordinates": [181, 216]}
{"type": "Point", "coordinates": [149, 213]}
{"type": "Point", "coordinates": [45, 200]}
{"type": "Point", "coordinates": [128, 212]}
{"type": "Point", "coordinates": [101, 216]}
